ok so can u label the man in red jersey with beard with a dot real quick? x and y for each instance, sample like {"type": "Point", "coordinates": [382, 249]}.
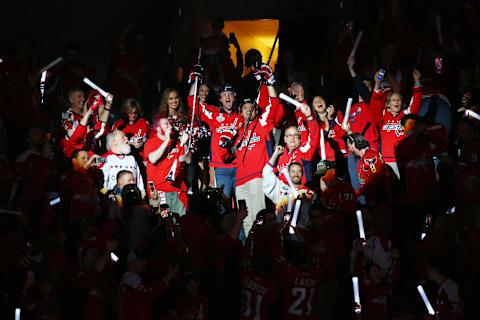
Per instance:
{"type": "Point", "coordinates": [165, 164]}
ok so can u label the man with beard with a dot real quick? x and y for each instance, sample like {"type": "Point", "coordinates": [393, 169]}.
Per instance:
{"type": "Point", "coordinates": [166, 157]}
{"type": "Point", "coordinates": [118, 158]}
{"type": "Point", "coordinates": [278, 191]}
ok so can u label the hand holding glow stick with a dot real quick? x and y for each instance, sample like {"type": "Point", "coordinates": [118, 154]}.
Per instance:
{"type": "Point", "coordinates": [293, 223]}
{"type": "Point", "coordinates": [347, 112]}
{"type": "Point", "coordinates": [290, 202]}
{"type": "Point", "coordinates": [53, 63]}
{"type": "Point", "coordinates": [94, 86]}
{"type": "Point", "coordinates": [470, 113]}
{"type": "Point", "coordinates": [361, 231]}
{"type": "Point", "coordinates": [322, 146]}
{"type": "Point", "coordinates": [357, 42]}
{"type": "Point", "coordinates": [290, 182]}
{"type": "Point", "coordinates": [283, 96]}
{"type": "Point", "coordinates": [356, 295]}
{"type": "Point", "coordinates": [425, 300]}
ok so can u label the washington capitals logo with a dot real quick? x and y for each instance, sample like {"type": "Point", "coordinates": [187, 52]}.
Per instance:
{"type": "Point", "coordinates": [253, 140]}
{"type": "Point", "coordinates": [394, 126]}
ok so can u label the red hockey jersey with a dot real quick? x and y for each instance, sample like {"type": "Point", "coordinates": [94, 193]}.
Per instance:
{"type": "Point", "coordinates": [218, 121]}
{"type": "Point", "coordinates": [391, 131]}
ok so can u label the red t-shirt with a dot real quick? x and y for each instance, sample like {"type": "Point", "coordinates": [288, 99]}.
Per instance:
{"type": "Point", "coordinates": [157, 172]}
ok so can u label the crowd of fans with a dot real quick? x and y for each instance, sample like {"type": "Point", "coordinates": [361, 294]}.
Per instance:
{"type": "Point", "coordinates": [224, 201]}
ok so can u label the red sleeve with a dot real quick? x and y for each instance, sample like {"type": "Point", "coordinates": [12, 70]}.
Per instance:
{"type": "Point", "coordinates": [78, 136]}
{"type": "Point", "coordinates": [203, 111]}
{"type": "Point", "coordinates": [267, 117]}
{"type": "Point", "coordinates": [339, 132]}
{"type": "Point", "coordinates": [313, 140]}
{"type": "Point", "coordinates": [377, 107]}
{"type": "Point", "coordinates": [416, 104]}
{"type": "Point", "coordinates": [117, 124]}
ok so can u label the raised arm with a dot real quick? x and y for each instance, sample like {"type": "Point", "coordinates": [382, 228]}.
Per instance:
{"type": "Point", "coordinates": [157, 154]}
{"type": "Point", "coordinates": [271, 184]}
{"type": "Point", "coordinates": [361, 88]}
{"type": "Point", "coordinates": [416, 102]}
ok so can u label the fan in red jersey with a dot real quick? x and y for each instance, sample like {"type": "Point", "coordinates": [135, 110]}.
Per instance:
{"type": "Point", "coordinates": [299, 149]}
{"type": "Point", "coordinates": [166, 158]}
{"type": "Point", "coordinates": [449, 304]}
{"type": "Point", "coordinates": [389, 116]}
{"type": "Point", "coordinates": [299, 280]}
{"type": "Point", "coordinates": [220, 121]}
{"type": "Point", "coordinates": [250, 150]}
{"type": "Point", "coordinates": [259, 290]}
{"type": "Point", "coordinates": [136, 128]}
{"type": "Point", "coordinates": [371, 170]}
{"type": "Point", "coordinates": [135, 294]}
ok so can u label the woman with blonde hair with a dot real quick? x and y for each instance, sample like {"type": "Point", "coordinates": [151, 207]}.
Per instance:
{"type": "Point", "coordinates": [132, 124]}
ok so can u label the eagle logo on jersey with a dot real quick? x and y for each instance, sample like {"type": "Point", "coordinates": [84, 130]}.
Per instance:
{"type": "Point", "coordinates": [371, 163]}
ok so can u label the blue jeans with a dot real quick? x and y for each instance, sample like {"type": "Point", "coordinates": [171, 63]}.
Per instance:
{"type": "Point", "coordinates": [352, 171]}
{"type": "Point", "coordinates": [226, 177]}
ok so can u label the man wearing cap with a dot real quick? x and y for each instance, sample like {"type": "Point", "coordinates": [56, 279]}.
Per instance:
{"type": "Point", "coordinates": [250, 148]}
{"type": "Point", "coordinates": [220, 120]}
{"type": "Point", "coordinates": [135, 294]}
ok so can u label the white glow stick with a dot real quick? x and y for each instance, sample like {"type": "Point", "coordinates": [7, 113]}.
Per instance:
{"type": "Point", "coordinates": [17, 313]}
{"type": "Point", "coordinates": [361, 231]}
{"type": "Point", "coordinates": [347, 112]}
{"type": "Point", "coordinates": [290, 100]}
{"type": "Point", "coordinates": [42, 84]}
{"type": "Point", "coordinates": [470, 113]}
{"type": "Point", "coordinates": [1, 60]}
{"type": "Point", "coordinates": [94, 86]}
{"type": "Point", "coordinates": [356, 291]}
{"type": "Point", "coordinates": [357, 42]}
{"type": "Point", "coordinates": [322, 146]}
{"type": "Point", "coordinates": [439, 29]}
{"type": "Point", "coordinates": [54, 63]}
{"type": "Point", "coordinates": [55, 201]}
{"type": "Point", "coordinates": [114, 257]}
{"type": "Point", "coordinates": [290, 202]}
{"type": "Point", "coordinates": [44, 77]}
{"type": "Point", "coordinates": [290, 182]}
{"type": "Point", "coordinates": [423, 235]}
{"type": "Point", "coordinates": [293, 223]}
{"type": "Point", "coordinates": [425, 300]}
